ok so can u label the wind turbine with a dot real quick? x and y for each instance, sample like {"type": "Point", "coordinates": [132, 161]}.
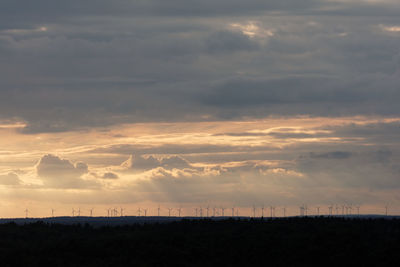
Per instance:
{"type": "Point", "coordinates": [158, 211]}
{"type": "Point", "coordinates": [145, 212]}
{"type": "Point", "coordinates": [201, 212]}
{"type": "Point", "coordinates": [271, 210]}
{"type": "Point", "coordinates": [52, 212]}
{"type": "Point", "coordinates": [317, 211]}
{"type": "Point", "coordinates": [213, 211]}
{"type": "Point", "coordinates": [223, 211]}
{"type": "Point", "coordinates": [233, 212]}
{"type": "Point", "coordinates": [284, 211]}
{"type": "Point", "coordinates": [180, 209]}
{"type": "Point", "coordinates": [169, 212]}
{"type": "Point", "coordinates": [262, 211]}
{"type": "Point", "coordinates": [73, 212]}
{"type": "Point", "coordinates": [91, 212]}
{"type": "Point", "coordinates": [254, 211]}
{"type": "Point", "coordinates": [139, 211]}
{"type": "Point", "coordinates": [386, 210]}
{"type": "Point", "coordinates": [196, 211]}
{"type": "Point", "coordinates": [330, 210]}
{"type": "Point", "coordinates": [79, 212]}
{"type": "Point", "coordinates": [208, 208]}
{"type": "Point", "coordinates": [26, 213]}
{"type": "Point", "coordinates": [121, 212]}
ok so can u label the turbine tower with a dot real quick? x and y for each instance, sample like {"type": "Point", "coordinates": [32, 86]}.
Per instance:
{"type": "Point", "coordinates": [52, 212]}
{"type": "Point", "coordinates": [169, 212]}
{"type": "Point", "coordinates": [330, 210]}
{"type": "Point", "coordinates": [26, 213]}
{"type": "Point", "coordinates": [91, 212]}
{"type": "Point", "coordinates": [180, 209]}
{"type": "Point", "coordinates": [254, 211]}
{"type": "Point", "coordinates": [262, 211]}
{"type": "Point", "coordinates": [73, 212]}
{"type": "Point", "coordinates": [145, 212]}
{"type": "Point", "coordinates": [158, 211]}
{"type": "Point", "coordinates": [139, 211]}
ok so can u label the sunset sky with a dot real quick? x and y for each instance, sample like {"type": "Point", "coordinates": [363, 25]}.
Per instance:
{"type": "Point", "coordinates": [187, 103]}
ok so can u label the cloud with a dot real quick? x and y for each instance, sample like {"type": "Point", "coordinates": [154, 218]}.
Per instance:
{"type": "Point", "coordinates": [173, 162]}
{"type": "Point", "coordinates": [110, 175]}
{"type": "Point", "coordinates": [9, 179]}
{"type": "Point", "coordinates": [394, 29]}
{"type": "Point", "coordinates": [62, 173]}
{"type": "Point", "coordinates": [374, 170]}
{"type": "Point", "coordinates": [252, 29]}
{"type": "Point", "coordinates": [228, 42]}
{"type": "Point", "coordinates": [106, 175]}
{"type": "Point", "coordinates": [140, 163]}
{"type": "Point", "coordinates": [331, 155]}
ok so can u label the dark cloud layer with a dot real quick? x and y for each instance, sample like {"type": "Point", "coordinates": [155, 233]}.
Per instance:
{"type": "Point", "coordinates": [74, 64]}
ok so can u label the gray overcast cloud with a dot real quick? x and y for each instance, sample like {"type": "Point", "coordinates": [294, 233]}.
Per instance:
{"type": "Point", "coordinates": [75, 64]}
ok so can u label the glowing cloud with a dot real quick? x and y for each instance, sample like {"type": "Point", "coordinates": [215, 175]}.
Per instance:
{"type": "Point", "coordinates": [252, 29]}
{"type": "Point", "coordinates": [62, 173]}
{"type": "Point", "coordinates": [394, 29]}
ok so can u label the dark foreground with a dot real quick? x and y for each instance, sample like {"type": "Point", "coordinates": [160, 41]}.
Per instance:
{"type": "Point", "coordinates": [277, 242]}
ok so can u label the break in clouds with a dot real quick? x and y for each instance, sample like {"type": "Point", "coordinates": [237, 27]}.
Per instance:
{"type": "Point", "coordinates": [356, 162]}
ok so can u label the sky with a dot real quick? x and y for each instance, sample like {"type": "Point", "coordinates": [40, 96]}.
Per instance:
{"type": "Point", "coordinates": [184, 103]}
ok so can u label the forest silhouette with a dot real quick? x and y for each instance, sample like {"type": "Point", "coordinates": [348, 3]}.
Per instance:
{"type": "Point", "coordinates": [297, 241]}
